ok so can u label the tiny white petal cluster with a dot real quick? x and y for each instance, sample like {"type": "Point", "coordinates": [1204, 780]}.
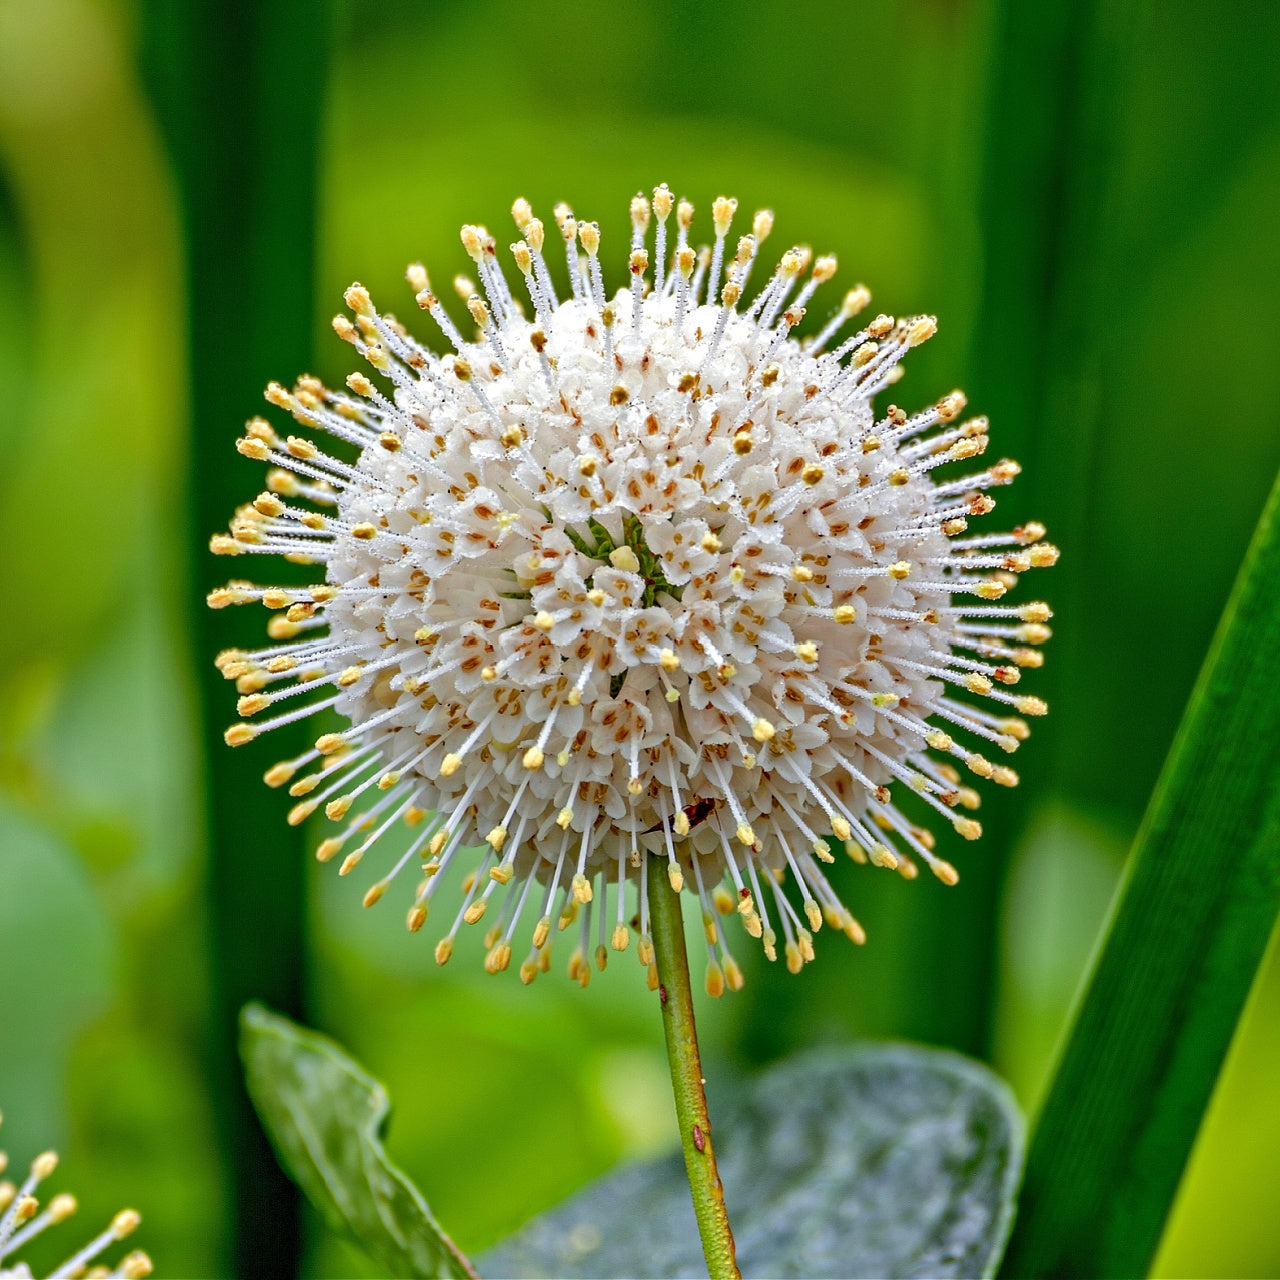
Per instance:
{"type": "Point", "coordinates": [635, 576]}
{"type": "Point", "coordinates": [23, 1217]}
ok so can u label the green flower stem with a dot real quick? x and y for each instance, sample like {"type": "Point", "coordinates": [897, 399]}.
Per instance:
{"type": "Point", "coordinates": [686, 1078]}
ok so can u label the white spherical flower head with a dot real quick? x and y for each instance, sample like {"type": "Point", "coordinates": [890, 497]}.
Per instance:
{"type": "Point", "coordinates": [23, 1215]}
{"type": "Point", "coordinates": [635, 576]}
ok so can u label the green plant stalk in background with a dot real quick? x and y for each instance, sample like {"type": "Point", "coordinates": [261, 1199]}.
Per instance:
{"type": "Point", "coordinates": [1033, 283]}
{"type": "Point", "coordinates": [686, 1076]}
{"type": "Point", "coordinates": [239, 90]}
{"type": "Point", "coordinates": [1190, 926]}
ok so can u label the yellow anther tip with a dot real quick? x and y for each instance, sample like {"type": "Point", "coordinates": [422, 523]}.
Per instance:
{"type": "Point", "coordinates": [125, 1223]}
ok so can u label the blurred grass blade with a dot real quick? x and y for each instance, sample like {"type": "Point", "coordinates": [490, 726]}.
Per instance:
{"type": "Point", "coordinates": [239, 92]}
{"type": "Point", "coordinates": [326, 1116]}
{"type": "Point", "coordinates": [1029, 210]}
{"type": "Point", "coordinates": [1189, 929]}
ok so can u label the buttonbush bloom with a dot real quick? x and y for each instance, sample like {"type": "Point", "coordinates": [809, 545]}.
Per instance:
{"type": "Point", "coordinates": [22, 1218]}
{"type": "Point", "coordinates": [634, 578]}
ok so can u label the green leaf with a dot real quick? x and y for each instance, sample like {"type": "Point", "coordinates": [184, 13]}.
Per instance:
{"type": "Point", "coordinates": [879, 1160]}
{"type": "Point", "coordinates": [325, 1116]}
{"type": "Point", "coordinates": [1190, 927]}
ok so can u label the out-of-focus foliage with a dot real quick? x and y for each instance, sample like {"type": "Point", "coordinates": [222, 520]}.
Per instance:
{"type": "Point", "coordinates": [1132, 374]}
{"type": "Point", "coordinates": [325, 1115]}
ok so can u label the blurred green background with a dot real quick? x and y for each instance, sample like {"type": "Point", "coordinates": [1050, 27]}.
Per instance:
{"type": "Point", "coordinates": [1085, 194]}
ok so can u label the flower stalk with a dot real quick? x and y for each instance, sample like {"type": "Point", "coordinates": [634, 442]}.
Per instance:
{"type": "Point", "coordinates": [681, 1033]}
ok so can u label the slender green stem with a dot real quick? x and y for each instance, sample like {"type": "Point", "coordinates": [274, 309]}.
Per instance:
{"type": "Point", "coordinates": [686, 1078]}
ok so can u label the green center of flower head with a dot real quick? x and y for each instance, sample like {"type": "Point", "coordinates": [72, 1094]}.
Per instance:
{"type": "Point", "coordinates": [603, 547]}
{"type": "Point", "coordinates": [641, 560]}
{"type": "Point", "coordinates": [632, 555]}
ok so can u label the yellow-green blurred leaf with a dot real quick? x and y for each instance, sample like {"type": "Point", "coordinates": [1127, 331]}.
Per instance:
{"type": "Point", "coordinates": [325, 1116]}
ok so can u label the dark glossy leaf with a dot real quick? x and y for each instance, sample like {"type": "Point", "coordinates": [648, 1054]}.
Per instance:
{"type": "Point", "coordinates": [325, 1116]}
{"type": "Point", "coordinates": [883, 1160]}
